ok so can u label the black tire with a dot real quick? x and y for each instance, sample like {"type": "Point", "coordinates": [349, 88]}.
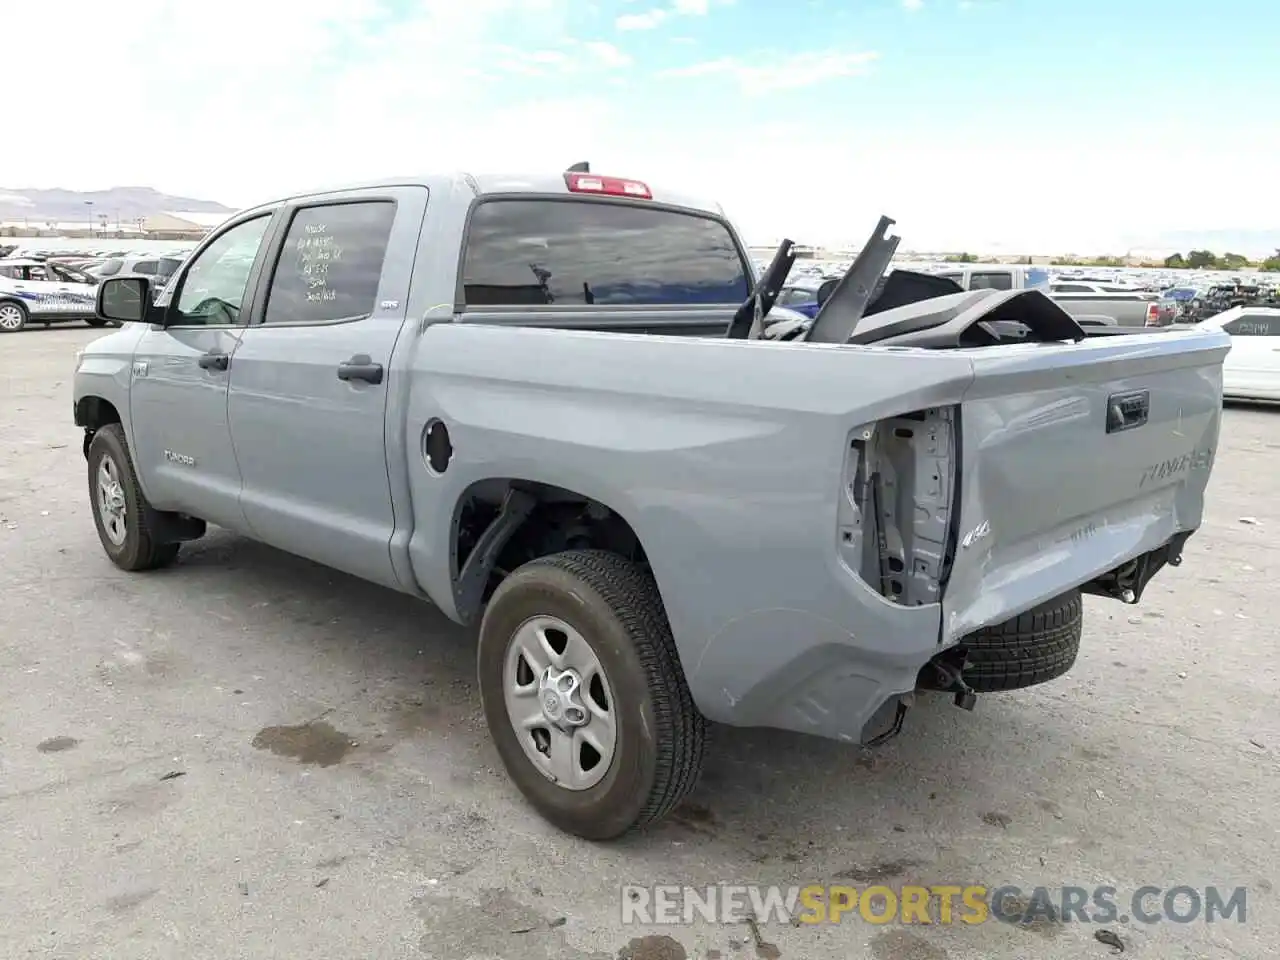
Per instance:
{"type": "Point", "coordinates": [15, 316]}
{"type": "Point", "coordinates": [1032, 648]}
{"type": "Point", "coordinates": [95, 321]}
{"type": "Point", "coordinates": [139, 550]}
{"type": "Point", "coordinates": [661, 735]}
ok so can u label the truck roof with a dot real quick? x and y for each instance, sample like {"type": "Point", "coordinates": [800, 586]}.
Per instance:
{"type": "Point", "coordinates": [508, 183]}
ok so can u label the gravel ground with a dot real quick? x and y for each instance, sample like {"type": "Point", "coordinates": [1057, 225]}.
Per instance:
{"type": "Point", "coordinates": [251, 756]}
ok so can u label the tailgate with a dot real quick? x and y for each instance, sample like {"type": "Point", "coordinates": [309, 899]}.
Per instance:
{"type": "Point", "coordinates": [1075, 459]}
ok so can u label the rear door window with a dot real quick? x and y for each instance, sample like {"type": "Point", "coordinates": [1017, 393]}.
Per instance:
{"type": "Point", "coordinates": [593, 253]}
{"type": "Point", "coordinates": [331, 263]}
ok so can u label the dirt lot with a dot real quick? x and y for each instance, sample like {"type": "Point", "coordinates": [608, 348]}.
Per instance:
{"type": "Point", "coordinates": [251, 756]}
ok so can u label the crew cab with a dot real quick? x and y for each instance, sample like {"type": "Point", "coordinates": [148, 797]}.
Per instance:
{"type": "Point", "coordinates": [46, 292]}
{"type": "Point", "coordinates": [556, 406]}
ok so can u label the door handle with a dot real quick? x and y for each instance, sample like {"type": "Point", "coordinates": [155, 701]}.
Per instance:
{"type": "Point", "coordinates": [214, 361]}
{"type": "Point", "coordinates": [360, 367]}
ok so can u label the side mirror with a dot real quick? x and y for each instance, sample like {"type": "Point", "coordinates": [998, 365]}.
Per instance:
{"type": "Point", "coordinates": [124, 299]}
{"type": "Point", "coordinates": [824, 291]}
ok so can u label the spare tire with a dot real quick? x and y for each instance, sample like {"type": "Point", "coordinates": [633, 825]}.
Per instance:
{"type": "Point", "coordinates": [1032, 648]}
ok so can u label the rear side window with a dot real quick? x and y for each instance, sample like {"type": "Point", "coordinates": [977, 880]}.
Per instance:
{"type": "Point", "coordinates": [331, 263]}
{"type": "Point", "coordinates": [990, 281]}
{"type": "Point", "coordinates": [145, 266]}
{"type": "Point", "coordinates": [583, 253]}
{"type": "Point", "coordinates": [1071, 288]}
{"type": "Point", "coordinates": [1257, 325]}
{"type": "Point", "coordinates": [167, 266]}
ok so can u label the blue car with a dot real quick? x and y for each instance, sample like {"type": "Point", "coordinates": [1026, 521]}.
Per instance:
{"type": "Point", "coordinates": [801, 296]}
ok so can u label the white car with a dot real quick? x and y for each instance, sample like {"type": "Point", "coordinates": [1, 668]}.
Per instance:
{"type": "Point", "coordinates": [1251, 371]}
{"type": "Point", "coordinates": [45, 292]}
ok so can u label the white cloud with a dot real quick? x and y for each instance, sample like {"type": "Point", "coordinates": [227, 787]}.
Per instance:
{"type": "Point", "coordinates": [785, 73]}
{"type": "Point", "coordinates": [656, 17]}
{"type": "Point", "coordinates": [607, 53]}
{"type": "Point", "coordinates": [641, 21]}
{"type": "Point", "coordinates": [912, 4]}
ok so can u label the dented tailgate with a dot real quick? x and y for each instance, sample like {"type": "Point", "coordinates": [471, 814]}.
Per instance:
{"type": "Point", "coordinates": [1075, 459]}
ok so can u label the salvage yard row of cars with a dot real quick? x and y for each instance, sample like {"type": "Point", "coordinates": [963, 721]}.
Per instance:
{"type": "Point", "coordinates": [60, 289]}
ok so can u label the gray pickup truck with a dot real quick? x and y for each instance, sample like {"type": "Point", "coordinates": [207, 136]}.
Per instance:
{"type": "Point", "coordinates": [555, 407]}
{"type": "Point", "coordinates": [1087, 301]}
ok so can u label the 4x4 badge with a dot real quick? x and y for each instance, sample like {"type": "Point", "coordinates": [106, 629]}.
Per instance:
{"type": "Point", "coordinates": [140, 368]}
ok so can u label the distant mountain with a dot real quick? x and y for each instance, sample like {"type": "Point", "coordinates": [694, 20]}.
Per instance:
{"type": "Point", "coordinates": [118, 203]}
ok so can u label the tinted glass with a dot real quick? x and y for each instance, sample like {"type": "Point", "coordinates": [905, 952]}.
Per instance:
{"type": "Point", "coordinates": [1070, 288]}
{"type": "Point", "coordinates": [1255, 325]}
{"type": "Point", "coordinates": [572, 253]}
{"type": "Point", "coordinates": [214, 286]}
{"type": "Point", "coordinates": [990, 281]}
{"type": "Point", "coordinates": [331, 263]}
{"type": "Point", "coordinates": [144, 266]}
{"type": "Point", "coordinates": [166, 267]}
{"type": "Point", "coordinates": [795, 295]}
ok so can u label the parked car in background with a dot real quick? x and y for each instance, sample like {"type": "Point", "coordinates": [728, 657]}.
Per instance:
{"type": "Point", "coordinates": [159, 270]}
{"type": "Point", "coordinates": [1251, 371]}
{"type": "Point", "coordinates": [1129, 306]}
{"type": "Point", "coordinates": [802, 296]}
{"type": "Point", "coordinates": [46, 292]}
{"type": "Point", "coordinates": [997, 276]}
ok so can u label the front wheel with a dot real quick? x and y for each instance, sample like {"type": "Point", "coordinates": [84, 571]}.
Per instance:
{"type": "Point", "coordinates": [119, 506]}
{"type": "Point", "coordinates": [584, 694]}
{"type": "Point", "coordinates": [13, 317]}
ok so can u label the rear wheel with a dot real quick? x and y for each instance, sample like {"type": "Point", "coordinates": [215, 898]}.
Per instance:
{"type": "Point", "coordinates": [584, 694]}
{"type": "Point", "coordinates": [1032, 648]}
{"type": "Point", "coordinates": [13, 316]}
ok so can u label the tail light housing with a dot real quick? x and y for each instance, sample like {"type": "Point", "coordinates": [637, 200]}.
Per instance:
{"type": "Point", "coordinates": [1153, 315]}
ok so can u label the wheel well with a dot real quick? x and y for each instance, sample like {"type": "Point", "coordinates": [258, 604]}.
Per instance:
{"type": "Point", "coordinates": [523, 521]}
{"type": "Point", "coordinates": [94, 413]}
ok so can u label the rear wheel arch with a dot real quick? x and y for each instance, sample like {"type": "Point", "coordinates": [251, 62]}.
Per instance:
{"type": "Point", "coordinates": [500, 523]}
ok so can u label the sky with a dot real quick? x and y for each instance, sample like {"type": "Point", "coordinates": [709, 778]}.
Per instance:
{"type": "Point", "coordinates": [986, 125]}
